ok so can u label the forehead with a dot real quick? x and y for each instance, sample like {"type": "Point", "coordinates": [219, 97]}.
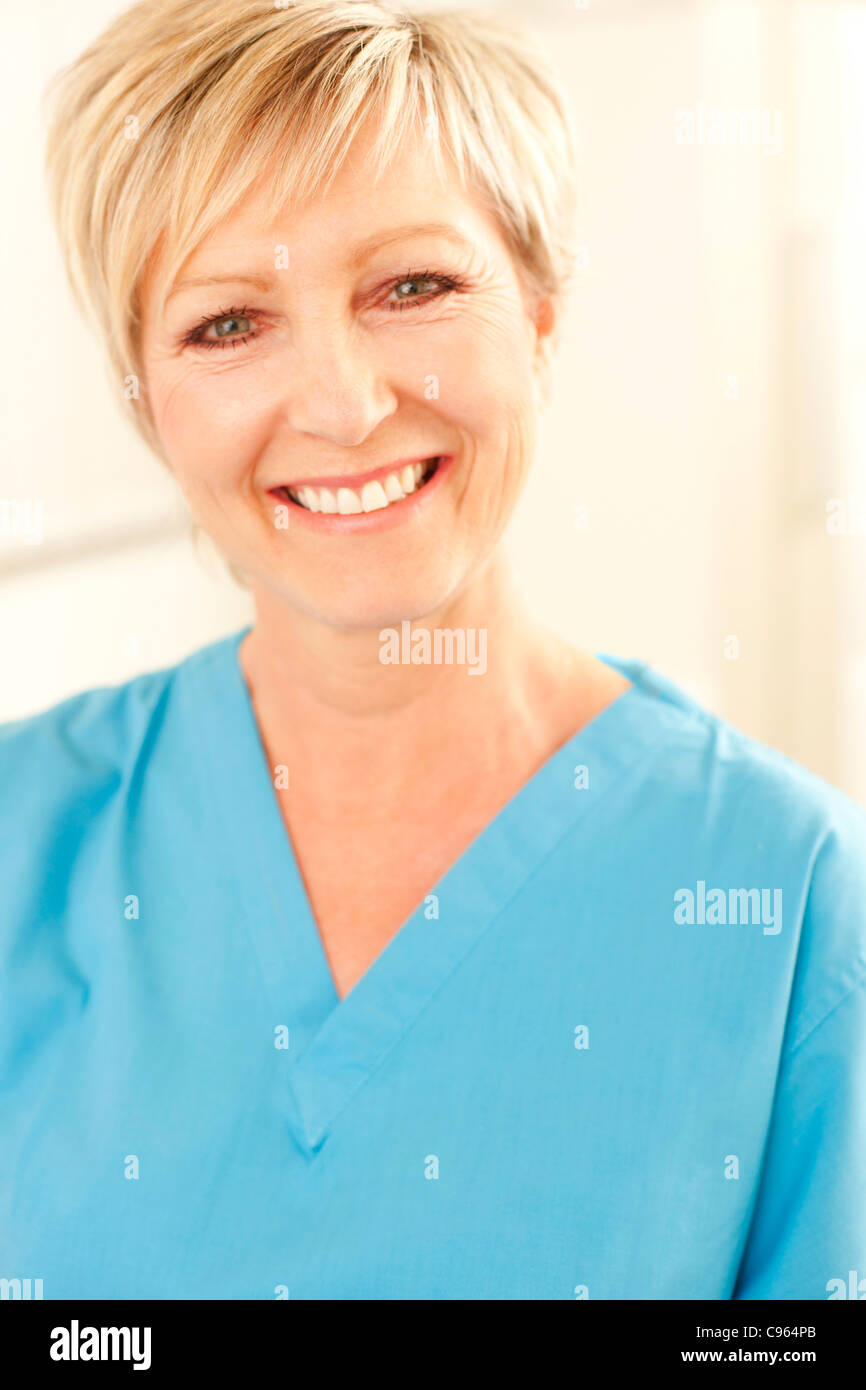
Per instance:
{"type": "Point", "coordinates": [361, 209]}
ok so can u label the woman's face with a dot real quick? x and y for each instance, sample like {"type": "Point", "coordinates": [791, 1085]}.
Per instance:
{"type": "Point", "coordinates": [332, 351]}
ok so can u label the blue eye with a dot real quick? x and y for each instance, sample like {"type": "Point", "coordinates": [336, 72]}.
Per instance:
{"type": "Point", "coordinates": [232, 326]}
{"type": "Point", "coordinates": [225, 332]}
{"type": "Point", "coordinates": [445, 284]}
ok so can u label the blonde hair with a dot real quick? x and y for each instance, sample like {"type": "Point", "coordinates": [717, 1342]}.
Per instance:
{"type": "Point", "coordinates": [167, 120]}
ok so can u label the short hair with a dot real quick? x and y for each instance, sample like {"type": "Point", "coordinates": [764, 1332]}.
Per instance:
{"type": "Point", "coordinates": [161, 126]}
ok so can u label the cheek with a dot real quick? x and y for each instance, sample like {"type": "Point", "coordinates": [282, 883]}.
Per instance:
{"type": "Point", "coordinates": [486, 391]}
{"type": "Point", "coordinates": [486, 377]}
{"type": "Point", "coordinates": [212, 425]}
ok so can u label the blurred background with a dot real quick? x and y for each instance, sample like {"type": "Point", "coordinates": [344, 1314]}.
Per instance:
{"type": "Point", "coordinates": [699, 496]}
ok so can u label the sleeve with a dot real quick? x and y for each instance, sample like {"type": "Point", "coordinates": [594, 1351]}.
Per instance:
{"type": "Point", "coordinates": [807, 1234]}
{"type": "Point", "coordinates": [807, 1237]}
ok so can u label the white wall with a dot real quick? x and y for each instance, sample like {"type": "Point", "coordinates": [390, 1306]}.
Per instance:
{"type": "Point", "coordinates": [711, 391]}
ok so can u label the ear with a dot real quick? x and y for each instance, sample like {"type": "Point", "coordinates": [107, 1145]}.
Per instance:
{"type": "Point", "coordinates": [546, 323]}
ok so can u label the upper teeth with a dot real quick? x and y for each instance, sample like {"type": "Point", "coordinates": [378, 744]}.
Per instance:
{"type": "Point", "coordinates": [369, 498]}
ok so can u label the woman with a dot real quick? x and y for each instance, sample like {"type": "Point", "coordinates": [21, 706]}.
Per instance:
{"type": "Point", "coordinates": [331, 971]}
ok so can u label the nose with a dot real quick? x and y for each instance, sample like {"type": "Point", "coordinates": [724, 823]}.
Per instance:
{"type": "Point", "coordinates": [336, 389]}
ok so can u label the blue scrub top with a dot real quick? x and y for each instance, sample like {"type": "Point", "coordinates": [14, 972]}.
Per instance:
{"type": "Point", "coordinates": [619, 1052]}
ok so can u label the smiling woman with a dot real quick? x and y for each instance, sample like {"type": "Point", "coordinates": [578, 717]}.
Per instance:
{"type": "Point", "coordinates": [369, 397]}
{"type": "Point", "coordinates": [308, 889]}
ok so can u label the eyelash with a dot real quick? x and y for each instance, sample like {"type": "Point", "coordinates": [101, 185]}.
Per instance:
{"type": "Point", "coordinates": [449, 284]}
{"type": "Point", "coordinates": [195, 337]}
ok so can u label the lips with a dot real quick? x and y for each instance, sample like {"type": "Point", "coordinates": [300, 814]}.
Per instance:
{"type": "Point", "coordinates": [385, 487]}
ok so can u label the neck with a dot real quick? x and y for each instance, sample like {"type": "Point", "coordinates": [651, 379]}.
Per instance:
{"type": "Point", "coordinates": [360, 732]}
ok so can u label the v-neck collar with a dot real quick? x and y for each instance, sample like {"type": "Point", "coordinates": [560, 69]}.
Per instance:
{"type": "Point", "coordinates": [336, 1044]}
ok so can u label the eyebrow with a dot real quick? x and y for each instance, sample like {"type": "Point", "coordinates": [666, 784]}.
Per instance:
{"type": "Point", "coordinates": [444, 229]}
{"type": "Point", "coordinates": [361, 250]}
{"type": "Point", "coordinates": [241, 277]}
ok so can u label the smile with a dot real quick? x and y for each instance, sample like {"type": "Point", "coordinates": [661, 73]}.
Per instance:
{"type": "Point", "coordinates": [375, 494]}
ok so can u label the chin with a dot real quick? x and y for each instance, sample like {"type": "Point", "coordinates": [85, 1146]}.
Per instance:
{"type": "Point", "coordinates": [365, 606]}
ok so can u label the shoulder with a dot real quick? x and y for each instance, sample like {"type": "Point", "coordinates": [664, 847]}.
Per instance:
{"type": "Point", "coordinates": [85, 734]}
{"type": "Point", "coordinates": [82, 750]}
{"type": "Point", "coordinates": [736, 805]}
{"type": "Point", "coordinates": [81, 743]}
{"type": "Point", "coordinates": [708, 763]}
